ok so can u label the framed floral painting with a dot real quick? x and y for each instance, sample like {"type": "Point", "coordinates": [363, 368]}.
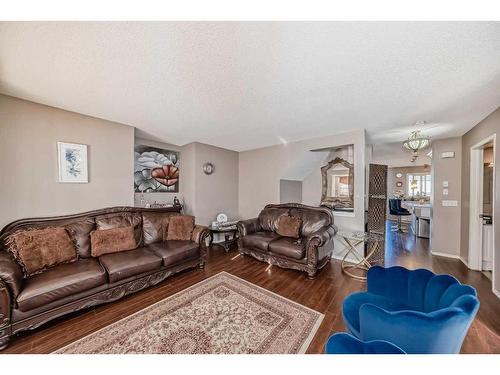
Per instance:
{"type": "Point", "coordinates": [72, 163]}
{"type": "Point", "coordinates": [156, 170]}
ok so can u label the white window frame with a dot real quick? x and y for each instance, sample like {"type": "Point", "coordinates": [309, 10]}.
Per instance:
{"type": "Point", "coordinates": [424, 178]}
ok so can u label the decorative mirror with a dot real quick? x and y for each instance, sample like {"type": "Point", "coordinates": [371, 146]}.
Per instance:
{"type": "Point", "coordinates": [338, 185]}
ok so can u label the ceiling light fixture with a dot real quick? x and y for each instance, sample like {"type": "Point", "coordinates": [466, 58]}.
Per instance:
{"type": "Point", "coordinates": [416, 142]}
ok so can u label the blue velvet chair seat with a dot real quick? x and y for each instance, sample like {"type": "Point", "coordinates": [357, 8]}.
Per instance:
{"type": "Point", "coordinates": [418, 311]}
{"type": "Point", "coordinates": [356, 300]}
{"type": "Point", "coordinates": [343, 343]}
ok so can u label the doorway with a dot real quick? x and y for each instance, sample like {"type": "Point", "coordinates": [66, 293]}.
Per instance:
{"type": "Point", "coordinates": [482, 180]}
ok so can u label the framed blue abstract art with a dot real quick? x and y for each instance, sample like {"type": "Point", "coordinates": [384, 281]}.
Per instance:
{"type": "Point", "coordinates": [72, 163]}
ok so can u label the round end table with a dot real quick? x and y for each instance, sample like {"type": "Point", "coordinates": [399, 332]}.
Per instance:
{"type": "Point", "coordinates": [230, 236]}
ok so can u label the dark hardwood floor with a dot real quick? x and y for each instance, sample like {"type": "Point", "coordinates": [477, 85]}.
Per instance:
{"type": "Point", "coordinates": [324, 294]}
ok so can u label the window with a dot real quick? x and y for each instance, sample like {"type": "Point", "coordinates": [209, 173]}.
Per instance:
{"type": "Point", "coordinates": [340, 185]}
{"type": "Point", "coordinates": [419, 185]}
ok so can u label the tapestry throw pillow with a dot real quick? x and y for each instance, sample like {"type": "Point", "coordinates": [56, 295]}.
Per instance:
{"type": "Point", "coordinates": [289, 226]}
{"type": "Point", "coordinates": [180, 227]}
{"type": "Point", "coordinates": [114, 240]}
{"type": "Point", "coordinates": [36, 250]}
{"type": "Point", "coordinates": [121, 220]}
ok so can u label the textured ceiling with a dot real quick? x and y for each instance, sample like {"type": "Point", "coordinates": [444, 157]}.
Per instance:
{"type": "Point", "coordinates": [246, 85]}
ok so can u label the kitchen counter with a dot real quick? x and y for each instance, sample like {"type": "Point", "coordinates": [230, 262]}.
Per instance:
{"type": "Point", "coordinates": [420, 217]}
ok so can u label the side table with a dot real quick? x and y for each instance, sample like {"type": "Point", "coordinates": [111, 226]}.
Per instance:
{"type": "Point", "coordinates": [230, 236]}
{"type": "Point", "coordinates": [352, 240]}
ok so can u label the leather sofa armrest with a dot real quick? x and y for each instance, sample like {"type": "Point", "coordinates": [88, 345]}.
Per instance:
{"type": "Point", "coordinates": [320, 244]}
{"type": "Point", "coordinates": [11, 274]}
{"type": "Point", "coordinates": [322, 236]}
{"type": "Point", "coordinates": [6, 304]}
{"type": "Point", "coordinates": [200, 233]}
{"type": "Point", "coordinates": [248, 226]}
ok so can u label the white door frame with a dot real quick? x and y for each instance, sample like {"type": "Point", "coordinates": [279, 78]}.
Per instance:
{"type": "Point", "coordinates": [476, 206]}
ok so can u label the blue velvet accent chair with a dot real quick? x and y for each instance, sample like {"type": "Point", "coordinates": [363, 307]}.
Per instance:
{"type": "Point", "coordinates": [344, 343]}
{"type": "Point", "coordinates": [418, 311]}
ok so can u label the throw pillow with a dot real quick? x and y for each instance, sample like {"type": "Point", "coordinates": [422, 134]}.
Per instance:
{"type": "Point", "coordinates": [155, 225]}
{"type": "Point", "coordinates": [289, 226]}
{"type": "Point", "coordinates": [114, 240]}
{"type": "Point", "coordinates": [180, 227]}
{"type": "Point", "coordinates": [36, 250]}
{"type": "Point", "coordinates": [121, 220]}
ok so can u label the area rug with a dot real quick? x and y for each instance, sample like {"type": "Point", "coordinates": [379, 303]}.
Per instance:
{"type": "Point", "coordinates": [220, 315]}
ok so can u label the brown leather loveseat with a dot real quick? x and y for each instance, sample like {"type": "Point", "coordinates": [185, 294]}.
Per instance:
{"type": "Point", "coordinates": [28, 302]}
{"type": "Point", "coordinates": [310, 250]}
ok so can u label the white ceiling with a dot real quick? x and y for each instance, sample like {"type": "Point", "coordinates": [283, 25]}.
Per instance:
{"type": "Point", "coordinates": [245, 85]}
{"type": "Point", "coordinates": [393, 155]}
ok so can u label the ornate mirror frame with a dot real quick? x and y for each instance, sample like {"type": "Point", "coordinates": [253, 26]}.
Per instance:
{"type": "Point", "coordinates": [337, 202]}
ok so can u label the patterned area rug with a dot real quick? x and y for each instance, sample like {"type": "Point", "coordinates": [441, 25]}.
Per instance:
{"type": "Point", "coordinates": [221, 315]}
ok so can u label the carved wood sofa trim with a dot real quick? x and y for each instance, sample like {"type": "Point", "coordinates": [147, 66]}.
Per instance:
{"type": "Point", "coordinates": [102, 297]}
{"type": "Point", "coordinates": [287, 263]}
{"type": "Point", "coordinates": [5, 310]}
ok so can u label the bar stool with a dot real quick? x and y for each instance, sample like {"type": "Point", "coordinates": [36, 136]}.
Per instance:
{"type": "Point", "coordinates": [396, 209]}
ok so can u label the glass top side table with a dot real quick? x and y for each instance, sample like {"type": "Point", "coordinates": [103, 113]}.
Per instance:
{"type": "Point", "coordinates": [351, 241]}
{"type": "Point", "coordinates": [230, 236]}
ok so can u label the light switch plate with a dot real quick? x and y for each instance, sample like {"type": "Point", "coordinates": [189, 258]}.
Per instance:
{"type": "Point", "coordinates": [445, 191]}
{"type": "Point", "coordinates": [449, 203]}
{"type": "Point", "coordinates": [447, 154]}
{"type": "Point", "coordinates": [445, 183]}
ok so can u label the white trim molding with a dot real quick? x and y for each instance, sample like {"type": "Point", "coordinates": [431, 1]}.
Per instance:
{"type": "Point", "coordinates": [475, 208]}
{"type": "Point", "coordinates": [445, 255]}
{"type": "Point", "coordinates": [476, 204]}
{"type": "Point", "coordinates": [349, 259]}
{"type": "Point", "coordinates": [343, 214]}
{"type": "Point", "coordinates": [496, 293]}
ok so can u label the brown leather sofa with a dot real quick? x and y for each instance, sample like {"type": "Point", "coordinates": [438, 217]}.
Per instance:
{"type": "Point", "coordinates": [312, 251]}
{"type": "Point", "coordinates": [27, 303]}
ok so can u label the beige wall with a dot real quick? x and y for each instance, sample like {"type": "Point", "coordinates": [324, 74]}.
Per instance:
{"type": "Point", "coordinates": [29, 133]}
{"type": "Point", "coordinates": [260, 172]}
{"type": "Point", "coordinates": [290, 191]}
{"type": "Point", "coordinates": [188, 180]}
{"type": "Point", "coordinates": [489, 126]}
{"type": "Point", "coordinates": [446, 220]}
{"type": "Point", "coordinates": [203, 196]}
{"type": "Point", "coordinates": [217, 192]}
{"type": "Point", "coordinates": [392, 179]}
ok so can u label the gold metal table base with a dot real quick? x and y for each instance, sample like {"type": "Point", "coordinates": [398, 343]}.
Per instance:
{"type": "Point", "coordinates": [363, 262]}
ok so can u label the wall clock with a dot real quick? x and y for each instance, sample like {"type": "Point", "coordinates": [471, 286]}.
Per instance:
{"type": "Point", "coordinates": [399, 175]}
{"type": "Point", "coordinates": [222, 217]}
{"type": "Point", "coordinates": [208, 168]}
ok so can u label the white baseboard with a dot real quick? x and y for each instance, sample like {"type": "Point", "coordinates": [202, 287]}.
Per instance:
{"type": "Point", "coordinates": [337, 257]}
{"type": "Point", "coordinates": [451, 256]}
{"type": "Point", "coordinates": [445, 255]}
{"type": "Point", "coordinates": [348, 259]}
{"type": "Point", "coordinates": [496, 293]}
